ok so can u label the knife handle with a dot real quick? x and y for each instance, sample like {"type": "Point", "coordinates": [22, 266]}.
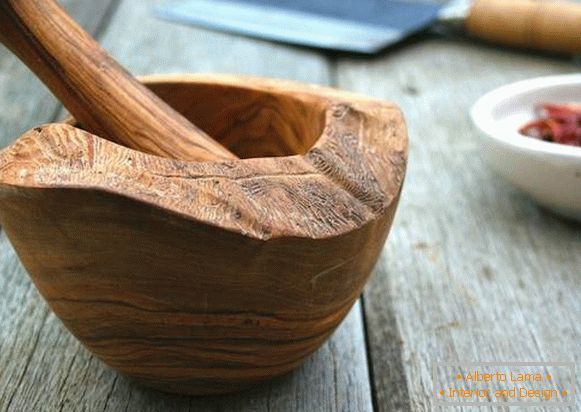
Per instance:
{"type": "Point", "coordinates": [553, 26]}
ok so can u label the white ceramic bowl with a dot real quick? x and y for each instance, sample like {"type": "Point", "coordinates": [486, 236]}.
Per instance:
{"type": "Point", "coordinates": [548, 172]}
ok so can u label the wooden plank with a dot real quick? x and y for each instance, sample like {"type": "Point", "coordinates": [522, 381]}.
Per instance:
{"type": "Point", "coordinates": [474, 270]}
{"type": "Point", "coordinates": [43, 367]}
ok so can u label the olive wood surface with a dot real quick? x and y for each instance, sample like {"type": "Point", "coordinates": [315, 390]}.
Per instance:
{"type": "Point", "coordinates": [43, 366]}
{"type": "Point", "coordinates": [206, 277]}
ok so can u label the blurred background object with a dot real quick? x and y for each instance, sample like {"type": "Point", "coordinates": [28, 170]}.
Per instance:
{"type": "Point", "coordinates": [548, 172]}
{"type": "Point", "coordinates": [368, 26]}
{"type": "Point", "coordinates": [348, 25]}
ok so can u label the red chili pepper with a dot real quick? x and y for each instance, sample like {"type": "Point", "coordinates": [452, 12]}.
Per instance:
{"type": "Point", "coordinates": [556, 123]}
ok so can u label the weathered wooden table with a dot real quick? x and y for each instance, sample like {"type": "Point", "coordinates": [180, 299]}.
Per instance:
{"type": "Point", "coordinates": [473, 270]}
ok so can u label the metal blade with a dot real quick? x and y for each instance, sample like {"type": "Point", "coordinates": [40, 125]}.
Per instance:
{"type": "Point", "coordinates": [361, 26]}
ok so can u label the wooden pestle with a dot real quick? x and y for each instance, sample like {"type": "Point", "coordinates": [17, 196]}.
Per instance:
{"type": "Point", "coordinates": [96, 90]}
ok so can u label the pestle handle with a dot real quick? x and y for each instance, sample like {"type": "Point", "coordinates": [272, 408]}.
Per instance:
{"type": "Point", "coordinates": [96, 90]}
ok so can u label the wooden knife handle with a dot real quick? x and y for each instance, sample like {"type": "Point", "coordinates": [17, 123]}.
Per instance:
{"type": "Point", "coordinates": [96, 90]}
{"type": "Point", "coordinates": [553, 26]}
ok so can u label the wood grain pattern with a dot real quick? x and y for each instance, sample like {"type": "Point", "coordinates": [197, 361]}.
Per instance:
{"type": "Point", "coordinates": [25, 319]}
{"type": "Point", "coordinates": [208, 277]}
{"type": "Point", "coordinates": [102, 95]}
{"type": "Point", "coordinates": [492, 295]}
{"type": "Point", "coordinates": [62, 375]}
{"type": "Point", "coordinates": [335, 378]}
{"type": "Point", "coordinates": [474, 270]}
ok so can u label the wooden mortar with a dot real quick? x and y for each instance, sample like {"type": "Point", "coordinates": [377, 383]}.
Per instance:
{"type": "Point", "coordinates": [208, 277]}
